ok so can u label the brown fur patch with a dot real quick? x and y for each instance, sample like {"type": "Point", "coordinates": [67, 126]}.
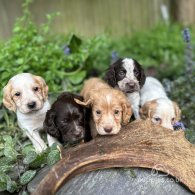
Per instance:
{"type": "Point", "coordinates": [7, 97]}
{"type": "Point", "coordinates": [41, 83]}
{"type": "Point", "coordinates": [177, 111]}
{"type": "Point", "coordinates": [147, 110]}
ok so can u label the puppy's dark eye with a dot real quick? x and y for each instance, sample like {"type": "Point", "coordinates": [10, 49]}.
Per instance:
{"type": "Point", "coordinates": [136, 73]}
{"type": "Point", "coordinates": [172, 120]}
{"type": "Point", "coordinates": [98, 112]}
{"type": "Point", "coordinates": [157, 119]}
{"type": "Point", "coordinates": [121, 73]}
{"type": "Point", "coordinates": [35, 89]}
{"type": "Point", "coordinates": [116, 112]}
{"type": "Point", "coordinates": [17, 94]}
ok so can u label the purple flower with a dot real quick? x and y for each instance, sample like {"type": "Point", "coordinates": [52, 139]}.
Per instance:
{"type": "Point", "coordinates": [178, 125]}
{"type": "Point", "coordinates": [114, 56]}
{"type": "Point", "coordinates": [66, 49]}
{"type": "Point", "coordinates": [186, 35]}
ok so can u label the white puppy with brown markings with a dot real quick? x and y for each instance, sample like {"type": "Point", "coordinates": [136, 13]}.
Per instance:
{"type": "Point", "coordinates": [26, 94]}
{"type": "Point", "coordinates": [156, 106]}
{"type": "Point", "coordinates": [110, 107]}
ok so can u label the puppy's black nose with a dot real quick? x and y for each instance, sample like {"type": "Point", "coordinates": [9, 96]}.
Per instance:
{"type": "Point", "coordinates": [108, 129]}
{"type": "Point", "coordinates": [31, 105]}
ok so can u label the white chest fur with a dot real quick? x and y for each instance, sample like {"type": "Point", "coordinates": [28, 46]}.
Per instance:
{"type": "Point", "coordinates": [31, 123]}
{"type": "Point", "coordinates": [34, 120]}
{"type": "Point", "coordinates": [134, 100]}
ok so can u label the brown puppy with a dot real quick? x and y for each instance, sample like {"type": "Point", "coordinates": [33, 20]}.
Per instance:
{"type": "Point", "coordinates": [110, 107]}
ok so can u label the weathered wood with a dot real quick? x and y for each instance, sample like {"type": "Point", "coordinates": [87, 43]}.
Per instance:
{"type": "Point", "coordinates": [87, 18]}
{"type": "Point", "coordinates": [139, 144]}
{"type": "Point", "coordinates": [183, 11]}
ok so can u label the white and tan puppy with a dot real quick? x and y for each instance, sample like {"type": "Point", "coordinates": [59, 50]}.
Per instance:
{"type": "Point", "coordinates": [156, 106]}
{"type": "Point", "coordinates": [26, 94]}
{"type": "Point", "coordinates": [110, 107]}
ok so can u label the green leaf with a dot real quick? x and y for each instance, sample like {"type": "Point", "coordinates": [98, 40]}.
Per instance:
{"type": "Point", "coordinates": [25, 193]}
{"type": "Point", "coordinates": [10, 152]}
{"type": "Point", "coordinates": [5, 161]}
{"type": "Point", "coordinates": [8, 139]}
{"type": "Point", "coordinates": [30, 157]}
{"type": "Point", "coordinates": [11, 186]}
{"type": "Point", "coordinates": [53, 157]}
{"type": "Point", "coordinates": [5, 168]}
{"type": "Point", "coordinates": [27, 149]}
{"type": "Point", "coordinates": [74, 43]}
{"type": "Point", "coordinates": [27, 176]}
{"type": "Point", "coordinates": [20, 61]}
{"type": "Point", "coordinates": [40, 160]}
{"type": "Point", "coordinates": [9, 145]}
{"type": "Point", "coordinates": [77, 78]}
{"type": "Point", "coordinates": [3, 181]}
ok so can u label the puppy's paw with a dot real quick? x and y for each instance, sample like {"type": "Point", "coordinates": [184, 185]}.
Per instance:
{"type": "Point", "coordinates": [40, 148]}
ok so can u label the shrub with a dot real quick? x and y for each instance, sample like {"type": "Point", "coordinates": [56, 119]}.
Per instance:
{"type": "Point", "coordinates": [161, 47]}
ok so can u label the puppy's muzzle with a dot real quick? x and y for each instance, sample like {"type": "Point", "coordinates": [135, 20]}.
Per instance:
{"type": "Point", "coordinates": [108, 129]}
{"type": "Point", "coordinates": [31, 105]}
{"type": "Point", "coordinates": [130, 87]}
{"type": "Point", "coordinates": [79, 132]}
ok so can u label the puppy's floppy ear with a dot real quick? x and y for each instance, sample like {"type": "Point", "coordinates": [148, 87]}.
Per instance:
{"type": "Point", "coordinates": [49, 124]}
{"type": "Point", "coordinates": [146, 110]}
{"type": "Point", "coordinates": [177, 111]}
{"type": "Point", "coordinates": [78, 97]}
{"type": "Point", "coordinates": [87, 103]}
{"type": "Point", "coordinates": [110, 77]}
{"type": "Point", "coordinates": [127, 112]}
{"type": "Point", "coordinates": [142, 76]}
{"type": "Point", "coordinates": [126, 107]}
{"type": "Point", "coordinates": [42, 84]}
{"type": "Point", "coordinates": [7, 98]}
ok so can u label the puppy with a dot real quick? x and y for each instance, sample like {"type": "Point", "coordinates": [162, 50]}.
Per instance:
{"type": "Point", "coordinates": [156, 106]}
{"type": "Point", "coordinates": [66, 121]}
{"type": "Point", "coordinates": [26, 94]}
{"type": "Point", "coordinates": [128, 76]}
{"type": "Point", "coordinates": [110, 107]}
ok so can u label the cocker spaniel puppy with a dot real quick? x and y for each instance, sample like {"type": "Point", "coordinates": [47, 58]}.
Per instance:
{"type": "Point", "coordinates": [128, 76]}
{"type": "Point", "coordinates": [67, 121]}
{"type": "Point", "coordinates": [110, 107]}
{"type": "Point", "coordinates": [156, 106]}
{"type": "Point", "coordinates": [26, 95]}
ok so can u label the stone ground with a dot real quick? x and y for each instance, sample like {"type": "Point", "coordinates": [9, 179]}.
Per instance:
{"type": "Point", "coordinates": [118, 181]}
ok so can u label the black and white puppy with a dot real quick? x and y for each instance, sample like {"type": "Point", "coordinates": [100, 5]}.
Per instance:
{"type": "Point", "coordinates": [128, 76]}
{"type": "Point", "coordinates": [66, 121]}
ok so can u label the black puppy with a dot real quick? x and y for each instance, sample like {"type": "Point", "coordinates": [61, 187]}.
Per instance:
{"type": "Point", "coordinates": [66, 121]}
{"type": "Point", "coordinates": [128, 76]}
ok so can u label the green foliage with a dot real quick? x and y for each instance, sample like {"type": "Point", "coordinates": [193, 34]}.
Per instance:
{"type": "Point", "coordinates": [162, 48]}
{"type": "Point", "coordinates": [17, 155]}
{"type": "Point", "coordinates": [182, 92]}
{"type": "Point", "coordinates": [27, 176]}
{"type": "Point", "coordinates": [31, 49]}
{"type": "Point", "coordinates": [53, 157]}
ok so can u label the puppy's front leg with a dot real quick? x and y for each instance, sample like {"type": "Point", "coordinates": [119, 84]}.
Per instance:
{"type": "Point", "coordinates": [37, 141]}
{"type": "Point", "coordinates": [134, 100]}
{"type": "Point", "coordinates": [135, 109]}
{"type": "Point", "coordinates": [51, 140]}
